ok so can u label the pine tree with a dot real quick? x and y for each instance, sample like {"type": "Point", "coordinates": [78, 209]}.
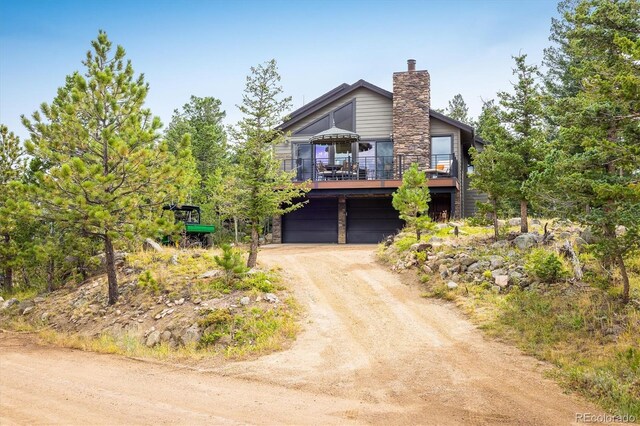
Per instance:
{"type": "Point", "coordinates": [108, 174]}
{"type": "Point", "coordinates": [12, 168]}
{"type": "Point", "coordinates": [458, 110]}
{"type": "Point", "coordinates": [495, 165]}
{"type": "Point", "coordinates": [522, 114]}
{"type": "Point", "coordinates": [202, 119]}
{"type": "Point", "coordinates": [269, 190]}
{"type": "Point", "coordinates": [231, 263]}
{"type": "Point", "coordinates": [593, 175]}
{"type": "Point", "coordinates": [412, 199]}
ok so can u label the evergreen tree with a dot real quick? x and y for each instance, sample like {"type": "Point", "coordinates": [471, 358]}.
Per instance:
{"type": "Point", "coordinates": [593, 174]}
{"type": "Point", "coordinates": [12, 167]}
{"type": "Point", "coordinates": [495, 165]}
{"type": "Point", "coordinates": [412, 199]}
{"type": "Point", "coordinates": [108, 174]}
{"type": "Point", "coordinates": [458, 110]}
{"type": "Point", "coordinates": [522, 114]}
{"type": "Point", "coordinates": [268, 190]}
{"type": "Point", "coordinates": [202, 119]}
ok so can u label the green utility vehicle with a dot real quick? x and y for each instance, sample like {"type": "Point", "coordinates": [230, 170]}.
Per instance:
{"type": "Point", "coordinates": [194, 234]}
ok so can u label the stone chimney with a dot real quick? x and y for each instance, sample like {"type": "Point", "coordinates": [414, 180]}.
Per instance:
{"type": "Point", "coordinates": [411, 103]}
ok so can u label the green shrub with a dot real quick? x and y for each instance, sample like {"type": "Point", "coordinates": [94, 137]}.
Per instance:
{"type": "Point", "coordinates": [231, 263]}
{"type": "Point", "coordinates": [403, 244]}
{"type": "Point", "coordinates": [260, 281]}
{"type": "Point", "coordinates": [544, 265]}
{"type": "Point", "coordinates": [148, 283]}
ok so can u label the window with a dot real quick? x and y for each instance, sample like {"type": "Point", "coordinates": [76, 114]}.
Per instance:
{"type": "Point", "coordinates": [441, 153]}
{"type": "Point", "coordinates": [441, 145]}
{"type": "Point", "coordinates": [316, 127]}
{"type": "Point", "coordinates": [341, 117]}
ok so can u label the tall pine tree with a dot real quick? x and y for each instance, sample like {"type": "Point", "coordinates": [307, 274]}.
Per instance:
{"type": "Point", "coordinates": [522, 115]}
{"type": "Point", "coordinates": [268, 190]}
{"type": "Point", "coordinates": [108, 173]}
{"type": "Point", "coordinates": [593, 175]}
{"type": "Point", "coordinates": [12, 167]}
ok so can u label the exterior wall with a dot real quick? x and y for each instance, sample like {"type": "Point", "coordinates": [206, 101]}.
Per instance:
{"type": "Point", "coordinates": [342, 220]}
{"type": "Point", "coordinates": [373, 119]}
{"type": "Point", "coordinates": [276, 230]}
{"type": "Point", "coordinates": [411, 103]}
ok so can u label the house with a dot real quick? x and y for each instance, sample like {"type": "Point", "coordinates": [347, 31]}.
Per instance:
{"type": "Point", "coordinates": [354, 144]}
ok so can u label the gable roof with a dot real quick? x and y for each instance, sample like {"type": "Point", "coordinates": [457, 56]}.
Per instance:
{"type": "Point", "coordinates": [344, 89]}
{"type": "Point", "coordinates": [331, 96]}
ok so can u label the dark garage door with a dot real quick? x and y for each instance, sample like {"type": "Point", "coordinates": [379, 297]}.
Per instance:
{"type": "Point", "coordinates": [316, 222]}
{"type": "Point", "coordinates": [370, 220]}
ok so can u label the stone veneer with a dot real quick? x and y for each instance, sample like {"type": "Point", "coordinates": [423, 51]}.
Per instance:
{"type": "Point", "coordinates": [342, 220]}
{"type": "Point", "coordinates": [411, 126]}
{"type": "Point", "coordinates": [276, 230]}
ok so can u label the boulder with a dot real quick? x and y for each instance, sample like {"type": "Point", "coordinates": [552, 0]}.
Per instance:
{"type": "Point", "coordinates": [496, 262]}
{"type": "Point", "coordinates": [271, 298]}
{"type": "Point", "coordinates": [27, 310]}
{"type": "Point", "coordinates": [443, 270]}
{"type": "Point", "coordinates": [173, 260]}
{"type": "Point", "coordinates": [153, 338]}
{"type": "Point", "coordinates": [245, 300]}
{"type": "Point", "coordinates": [480, 266]}
{"type": "Point", "coordinates": [38, 299]}
{"type": "Point", "coordinates": [502, 281]}
{"type": "Point", "coordinates": [452, 285]}
{"type": "Point", "coordinates": [498, 272]}
{"type": "Point", "coordinates": [9, 303]}
{"type": "Point", "coordinates": [214, 273]}
{"type": "Point", "coordinates": [165, 336]}
{"type": "Point", "coordinates": [500, 244]}
{"type": "Point", "coordinates": [586, 235]}
{"type": "Point", "coordinates": [515, 277]}
{"type": "Point", "coordinates": [151, 244]}
{"type": "Point", "coordinates": [535, 222]}
{"type": "Point", "coordinates": [467, 260]}
{"type": "Point", "coordinates": [191, 335]}
{"type": "Point", "coordinates": [525, 241]}
{"type": "Point", "coordinates": [426, 269]}
{"type": "Point", "coordinates": [24, 305]}
{"type": "Point", "coordinates": [420, 247]}
{"type": "Point", "coordinates": [435, 240]}
{"type": "Point", "coordinates": [514, 221]}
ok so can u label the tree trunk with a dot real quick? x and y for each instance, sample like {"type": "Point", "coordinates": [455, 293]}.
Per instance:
{"type": "Point", "coordinates": [7, 281]}
{"type": "Point", "coordinates": [253, 251]}
{"type": "Point", "coordinates": [111, 270]}
{"type": "Point", "coordinates": [235, 227]}
{"type": "Point", "coordinates": [524, 220]}
{"type": "Point", "coordinates": [625, 279]}
{"type": "Point", "coordinates": [51, 267]}
{"type": "Point", "coordinates": [495, 219]}
{"type": "Point", "coordinates": [417, 232]}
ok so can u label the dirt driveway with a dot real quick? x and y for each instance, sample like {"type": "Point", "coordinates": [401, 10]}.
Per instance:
{"type": "Point", "coordinates": [372, 351]}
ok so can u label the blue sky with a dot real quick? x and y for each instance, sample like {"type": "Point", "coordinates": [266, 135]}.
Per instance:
{"type": "Point", "coordinates": [205, 48]}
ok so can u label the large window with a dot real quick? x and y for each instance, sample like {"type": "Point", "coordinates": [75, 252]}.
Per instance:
{"type": "Point", "coordinates": [341, 117]}
{"type": "Point", "coordinates": [442, 153]}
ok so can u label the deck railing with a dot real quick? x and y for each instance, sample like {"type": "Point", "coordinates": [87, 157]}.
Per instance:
{"type": "Point", "coordinates": [379, 168]}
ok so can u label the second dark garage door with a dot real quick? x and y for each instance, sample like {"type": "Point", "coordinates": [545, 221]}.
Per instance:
{"type": "Point", "coordinates": [315, 222]}
{"type": "Point", "coordinates": [370, 220]}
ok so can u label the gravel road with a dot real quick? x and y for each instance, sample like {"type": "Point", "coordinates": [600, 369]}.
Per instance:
{"type": "Point", "coordinates": [372, 351]}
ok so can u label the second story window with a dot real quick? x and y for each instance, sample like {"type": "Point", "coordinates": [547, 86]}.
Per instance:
{"type": "Point", "coordinates": [342, 117]}
{"type": "Point", "coordinates": [442, 153]}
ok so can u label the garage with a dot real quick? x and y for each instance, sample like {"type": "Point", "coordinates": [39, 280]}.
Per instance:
{"type": "Point", "coordinates": [370, 220]}
{"type": "Point", "coordinates": [316, 222]}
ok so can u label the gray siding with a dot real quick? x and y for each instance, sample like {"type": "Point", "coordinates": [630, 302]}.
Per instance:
{"type": "Point", "coordinates": [373, 119]}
